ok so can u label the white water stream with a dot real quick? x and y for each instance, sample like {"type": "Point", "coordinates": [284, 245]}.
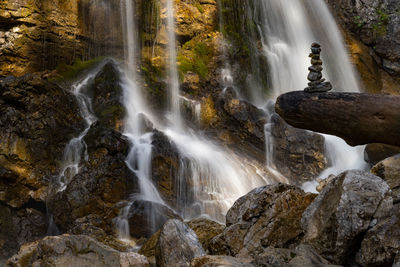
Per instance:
{"type": "Point", "coordinates": [76, 148]}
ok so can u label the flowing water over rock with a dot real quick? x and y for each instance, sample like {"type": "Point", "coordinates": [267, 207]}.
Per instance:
{"type": "Point", "coordinates": [76, 148]}
{"type": "Point", "coordinates": [211, 177]}
{"type": "Point", "coordinates": [287, 29]}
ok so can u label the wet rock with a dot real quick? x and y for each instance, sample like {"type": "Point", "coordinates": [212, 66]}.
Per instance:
{"type": "Point", "coordinates": [19, 226]}
{"type": "Point", "coordinates": [146, 217]}
{"type": "Point", "coordinates": [38, 119]}
{"type": "Point", "coordinates": [389, 170]}
{"type": "Point", "coordinates": [205, 230]}
{"type": "Point", "coordinates": [375, 153]}
{"type": "Point", "coordinates": [342, 213]}
{"type": "Point", "coordinates": [375, 23]}
{"type": "Point", "coordinates": [303, 255]}
{"type": "Point", "coordinates": [103, 181]}
{"type": "Point", "coordinates": [149, 248]}
{"type": "Point", "coordinates": [69, 250]}
{"type": "Point", "coordinates": [90, 226]}
{"type": "Point", "coordinates": [177, 245]}
{"type": "Point", "coordinates": [267, 216]}
{"type": "Point", "coordinates": [165, 167]}
{"type": "Point", "coordinates": [298, 154]}
{"type": "Point", "coordinates": [239, 121]}
{"type": "Point", "coordinates": [381, 244]}
{"type": "Point", "coordinates": [107, 97]}
{"type": "Point", "coordinates": [209, 261]}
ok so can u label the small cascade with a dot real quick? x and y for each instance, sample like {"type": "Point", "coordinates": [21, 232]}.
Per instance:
{"type": "Point", "coordinates": [75, 150]}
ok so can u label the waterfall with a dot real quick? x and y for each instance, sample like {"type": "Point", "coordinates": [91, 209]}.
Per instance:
{"type": "Point", "coordinates": [287, 29]}
{"type": "Point", "coordinates": [215, 176]}
{"type": "Point", "coordinates": [173, 79]}
{"type": "Point", "coordinates": [139, 156]}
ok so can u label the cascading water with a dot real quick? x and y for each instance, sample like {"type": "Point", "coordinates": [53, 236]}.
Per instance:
{"type": "Point", "coordinates": [287, 29]}
{"type": "Point", "coordinates": [139, 157]}
{"type": "Point", "coordinates": [76, 148]}
{"type": "Point", "coordinates": [215, 176]}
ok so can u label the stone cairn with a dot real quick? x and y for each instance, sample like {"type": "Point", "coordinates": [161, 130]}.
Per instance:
{"type": "Point", "coordinates": [317, 83]}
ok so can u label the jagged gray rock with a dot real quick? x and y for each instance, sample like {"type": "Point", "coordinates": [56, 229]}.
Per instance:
{"type": "Point", "coordinates": [177, 245]}
{"type": "Point", "coordinates": [73, 250]}
{"type": "Point", "coordinates": [267, 216]}
{"type": "Point", "coordinates": [342, 213]}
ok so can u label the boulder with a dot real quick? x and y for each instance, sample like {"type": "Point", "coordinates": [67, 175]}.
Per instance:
{"type": "Point", "coordinates": [381, 243]}
{"type": "Point", "coordinates": [375, 153]}
{"type": "Point", "coordinates": [336, 220]}
{"type": "Point", "coordinates": [70, 250]}
{"type": "Point", "coordinates": [149, 248]}
{"type": "Point", "coordinates": [389, 170]}
{"type": "Point", "coordinates": [210, 261]}
{"type": "Point", "coordinates": [177, 245]}
{"type": "Point", "coordinates": [146, 217]}
{"type": "Point", "coordinates": [297, 154]}
{"type": "Point", "coordinates": [90, 226]}
{"type": "Point", "coordinates": [303, 255]}
{"type": "Point", "coordinates": [267, 216]}
{"type": "Point", "coordinates": [205, 230]}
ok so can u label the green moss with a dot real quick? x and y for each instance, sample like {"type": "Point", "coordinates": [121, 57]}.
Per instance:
{"type": "Point", "coordinates": [112, 110]}
{"type": "Point", "coordinates": [195, 58]}
{"type": "Point", "coordinates": [380, 28]}
{"type": "Point", "coordinates": [383, 16]}
{"type": "Point", "coordinates": [69, 72]}
{"type": "Point", "coordinates": [199, 7]}
{"type": "Point", "coordinates": [358, 21]}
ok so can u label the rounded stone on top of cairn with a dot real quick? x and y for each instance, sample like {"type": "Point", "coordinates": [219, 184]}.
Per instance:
{"type": "Point", "coordinates": [317, 83]}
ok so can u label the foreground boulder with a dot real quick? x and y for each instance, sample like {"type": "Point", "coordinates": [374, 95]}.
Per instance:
{"type": "Point", "coordinates": [357, 118]}
{"type": "Point", "coordinates": [267, 216]}
{"type": "Point", "coordinates": [177, 245]}
{"type": "Point", "coordinates": [209, 261]}
{"type": "Point", "coordinates": [342, 213]}
{"type": "Point", "coordinates": [381, 244]}
{"type": "Point", "coordinates": [389, 170]}
{"type": "Point", "coordinates": [206, 230]}
{"type": "Point", "coordinates": [303, 255]}
{"type": "Point", "coordinates": [70, 250]}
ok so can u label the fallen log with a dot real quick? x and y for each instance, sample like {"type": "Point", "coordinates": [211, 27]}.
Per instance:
{"type": "Point", "coordinates": [357, 118]}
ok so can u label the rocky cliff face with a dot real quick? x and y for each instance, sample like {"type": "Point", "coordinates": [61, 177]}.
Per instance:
{"type": "Point", "coordinates": [40, 35]}
{"type": "Point", "coordinates": [373, 33]}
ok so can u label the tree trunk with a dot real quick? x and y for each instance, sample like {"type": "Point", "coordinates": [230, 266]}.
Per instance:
{"type": "Point", "coordinates": [357, 118]}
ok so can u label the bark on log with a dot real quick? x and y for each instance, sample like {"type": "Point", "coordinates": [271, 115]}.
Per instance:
{"type": "Point", "coordinates": [357, 118]}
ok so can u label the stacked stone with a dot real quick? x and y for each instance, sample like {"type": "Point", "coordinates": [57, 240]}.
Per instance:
{"type": "Point", "coordinates": [317, 83]}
